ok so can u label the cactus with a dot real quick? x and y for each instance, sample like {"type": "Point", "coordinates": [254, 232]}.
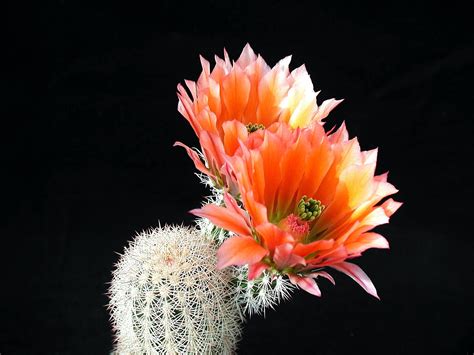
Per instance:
{"type": "Point", "coordinates": [167, 297]}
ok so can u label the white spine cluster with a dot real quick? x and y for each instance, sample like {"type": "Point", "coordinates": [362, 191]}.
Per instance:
{"type": "Point", "coordinates": [167, 297]}
{"type": "Point", "coordinates": [252, 296]}
{"type": "Point", "coordinates": [255, 296]}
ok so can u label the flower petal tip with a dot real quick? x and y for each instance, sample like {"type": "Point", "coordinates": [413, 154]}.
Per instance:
{"type": "Point", "coordinates": [196, 212]}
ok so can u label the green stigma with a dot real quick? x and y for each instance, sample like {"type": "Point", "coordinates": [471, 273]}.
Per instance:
{"type": "Point", "coordinates": [309, 209]}
{"type": "Point", "coordinates": [252, 127]}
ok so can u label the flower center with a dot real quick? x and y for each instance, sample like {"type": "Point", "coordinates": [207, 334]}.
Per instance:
{"type": "Point", "coordinates": [295, 225]}
{"type": "Point", "coordinates": [308, 209]}
{"type": "Point", "coordinates": [252, 127]}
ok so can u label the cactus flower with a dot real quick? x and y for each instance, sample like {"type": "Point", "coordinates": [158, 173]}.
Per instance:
{"type": "Point", "coordinates": [309, 200]}
{"type": "Point", "coordinates": [235, 99]}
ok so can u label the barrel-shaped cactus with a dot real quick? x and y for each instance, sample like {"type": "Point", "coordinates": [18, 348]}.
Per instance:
{"type": "Point", "coordinates": [167, 297]}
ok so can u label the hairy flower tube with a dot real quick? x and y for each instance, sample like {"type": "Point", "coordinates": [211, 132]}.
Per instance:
{"type": "Point", "coordinates": [307, 200]}
{"type": "Point", "coordinates": [249, 92]}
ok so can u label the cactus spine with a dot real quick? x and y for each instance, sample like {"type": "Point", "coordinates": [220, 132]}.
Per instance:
{"type": "Point", "coordinates": [166, 296]}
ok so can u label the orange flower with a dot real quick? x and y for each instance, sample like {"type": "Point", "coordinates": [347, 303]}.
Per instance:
{"type": "Point", "coordinates": [311, 201]}
{"type": "Point", "coordinates": [251, 93]}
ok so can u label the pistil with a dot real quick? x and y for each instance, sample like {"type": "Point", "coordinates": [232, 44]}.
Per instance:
{"type": "Point", "coordinates": [252, 127]}
{"type": "Point", "coordinates": [308, 209]}
{"type": "Point", "coordinates": [295, 225]}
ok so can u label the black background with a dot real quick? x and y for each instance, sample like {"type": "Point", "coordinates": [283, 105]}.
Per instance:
{"type": "Point", "coordinates": [89, 161]}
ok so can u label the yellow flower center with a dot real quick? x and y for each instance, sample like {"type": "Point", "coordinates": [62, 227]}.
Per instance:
{"type": "Point", "coordinates": [308, 209]}
{"type": "Point", "coordinates": [252, 127]}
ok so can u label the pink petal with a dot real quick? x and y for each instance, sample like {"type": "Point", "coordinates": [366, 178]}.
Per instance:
{"type": "Point", "coordinates": [284, 256]}
{"type": "Point", "coordinates": [341, 135]}
{"type": "Point", "coordinates": [390, 206]}
{"type": "Point", "coordinates": [369, 156]}
{"type": "Point", "coordinates": [246, 57]}
{"type": "Point", "coordinates": [325, 108]}
{"type": "Point", "coordinates": [239, 251]}
{"type": "Point", "coordinates": [306, 283]}
{"type": "Point", "coordinates": [213, 149]}
{"type": "Point", "coordinates": [366, 241]}
{"type": "Point", "coordinates": [205, 65]}
{"type": "Point", "coordinates": [256, 270]}
{"type": "Point", "coordinates": [377, 217]}
{"type": "Point", "coordinates": [185, 108]}
{"type": "Point", "coordinates": [384, 189]}
{"type": "Point", "coordinates": [323, 274]}
{"type": "Point", "coordinates": [192, 88]}
{"type": "Point", "coordinates": [382, 177]}
{"type": "Point", "coordinates": [358, 275]}
{"type": "Point", "coordinates": [195, 158]}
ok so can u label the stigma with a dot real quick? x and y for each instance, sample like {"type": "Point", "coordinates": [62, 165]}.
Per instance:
{"type": "Point", "coordinates": [252, 127]}
{"type": "Point", "coordinates": [295, 226]}
{"type": "Point", "coordinates": [308, 209]}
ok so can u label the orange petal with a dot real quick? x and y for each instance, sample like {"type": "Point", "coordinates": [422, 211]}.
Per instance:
{"type": "Point", "coordinates": [213, 150]}
{"type": "Point", "coordinates": [319, 245]}
{"type": "Point", "coordinates": [224, 218]}
{"type": "Point", "coordinates": [271, 90]}
{"type": "Point", "coordinates": [234, 132]}
{"type": "Point", "coordinates": [329, 257]}
{"type": "Point", "coordinates": [232, 205]}
{"type": "Point", "coordinates": [292, 168]}
{"type": "Point", "coordinates": [270, 163]}
{"type": "Point", "coordinates": [207, 122]}
{"type": "Point", "coordinates": [273, 236]}
{"type": "Point", "coordinates": [256, 210]}
{"type": "Point", "coordinates": [235, 93]}
{"type": "Point", "coordinates": [358, 180]}
{"type": "Point", "coordinates": [254, 72]}
{"type": "Point", "coordinates": [318, 161]}
{"type": "Point", "coordinates": [239, 251]}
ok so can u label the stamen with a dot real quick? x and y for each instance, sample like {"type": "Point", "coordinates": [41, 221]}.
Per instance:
{"type": "Point", "coordinates": [308, 209]}
{"type": "Point", "coordinates": [252, 127]}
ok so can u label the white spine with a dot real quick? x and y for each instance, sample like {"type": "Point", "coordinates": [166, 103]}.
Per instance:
{"type": "Point", "coordinates": [166, 296]}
